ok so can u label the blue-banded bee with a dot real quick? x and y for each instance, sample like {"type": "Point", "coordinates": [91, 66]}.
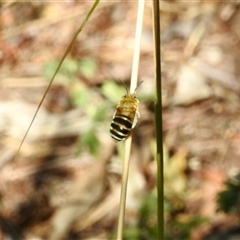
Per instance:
{"type": "Point", "coordinates": [125, 118]}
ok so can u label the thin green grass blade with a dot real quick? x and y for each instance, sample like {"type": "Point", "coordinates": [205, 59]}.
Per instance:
{"type": "Point", "coordinates": [158, 119]}
{"type": "Point", "coordinates": [58, 67]}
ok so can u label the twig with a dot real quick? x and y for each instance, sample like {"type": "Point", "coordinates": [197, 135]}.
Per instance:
{"type": "Point", "coordinates": [128, 142]}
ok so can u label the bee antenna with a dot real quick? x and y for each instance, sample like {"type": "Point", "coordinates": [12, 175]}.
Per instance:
{"type": "Point", "coordinates": [123, 84]}
{"type": "Point", "coordinates": [138, 86]}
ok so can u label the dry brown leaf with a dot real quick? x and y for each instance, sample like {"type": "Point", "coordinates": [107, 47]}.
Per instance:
{"type": "Point", "coordinates": [191, 86]}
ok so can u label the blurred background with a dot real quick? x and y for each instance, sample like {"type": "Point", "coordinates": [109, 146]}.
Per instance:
{"type": "Point", "coordinates": [65, 182]}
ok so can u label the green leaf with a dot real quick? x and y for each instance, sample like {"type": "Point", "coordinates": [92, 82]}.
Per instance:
{"type": "Point", "coordinates": [113, 91]}
{"type": "Point", "coordinates": [65, 75]}
{"type": "Point", "coordinates": [87, 67]}
{"type": "Point", "coordinates": [70, 67]}
{"type": "Point", "coordinates": [80, 97]}
{"type": "Point", "coordinates": [229, 199]}
{"type": "Point", "coordinates": [89, 141]}
{"type": "Point", "coordinates": [100, 113]}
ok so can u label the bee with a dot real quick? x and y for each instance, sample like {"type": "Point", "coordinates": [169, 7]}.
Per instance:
{"type": "Point", "coordinates": [125, 117]}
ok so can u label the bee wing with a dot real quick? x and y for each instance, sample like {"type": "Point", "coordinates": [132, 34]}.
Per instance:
{"type": "Point", "coordinates": [136, 117]}
{"type": "Point", "coordinates": [114, 114]}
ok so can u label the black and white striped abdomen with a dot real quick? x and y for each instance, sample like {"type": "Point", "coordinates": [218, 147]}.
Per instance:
{"type": "Point", "coordinates": [120, 127]}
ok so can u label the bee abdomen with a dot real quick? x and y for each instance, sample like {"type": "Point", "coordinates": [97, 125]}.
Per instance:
{"type": "Point", "coordinates": [120, 127]}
